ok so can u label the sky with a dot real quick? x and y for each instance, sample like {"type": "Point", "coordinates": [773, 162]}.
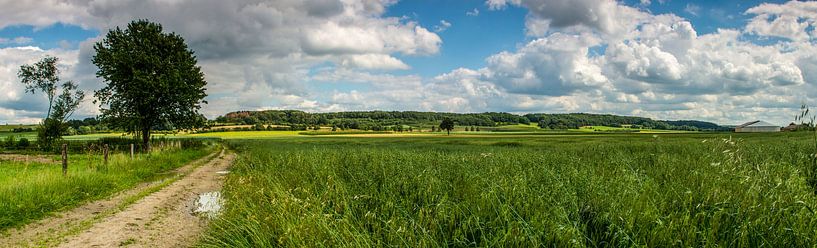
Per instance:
{"type": "Point", "coordinates": [727, 62]}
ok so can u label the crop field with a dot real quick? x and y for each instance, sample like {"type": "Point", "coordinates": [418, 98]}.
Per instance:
{"type": "Point", "coordinates": [32, 187]}
{"type": "Point", "coordinates": [562, 191]}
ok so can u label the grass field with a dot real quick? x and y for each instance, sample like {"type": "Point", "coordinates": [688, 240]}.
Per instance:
{"type": "Point", "coordinates": [244, 134]}
{"type": "Point", "coordinates": [548, 190]}
{"type": "Point", "coordinates": [31, 136]}
{"type": "Point", "coordinates": [32, 190]}
{"type": "Point", "coordinates": [624, 129]}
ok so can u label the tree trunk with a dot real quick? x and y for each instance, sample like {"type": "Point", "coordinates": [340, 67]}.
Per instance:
{"type": "Point", "coordinates": [449, 131]}
{"type": "Point", "coordinates": [146, 140]}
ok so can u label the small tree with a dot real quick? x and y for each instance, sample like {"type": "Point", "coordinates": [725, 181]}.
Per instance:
{"type": "Point", "coordinates": [44, 76]}
{"type": "Point", "coordinates": [447, 125]}
{"type": "Point", "coordinates": [152, 79]}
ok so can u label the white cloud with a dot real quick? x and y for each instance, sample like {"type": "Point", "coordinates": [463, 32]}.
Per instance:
{"type": "Point", "coordinates": [442, 26]}
{"type": "Point", "coordinates": [374, 61]}
{"type": "Point", "coordinates": [555, 65]}
{"type": "Point", "coordinates": [692, 9]}
{"type": "Point", "coordinates": [790, 20]}
{"type": "Point", "coordinates": [16, 41]}
{"type": "Point", "coordinates": [474, 12]}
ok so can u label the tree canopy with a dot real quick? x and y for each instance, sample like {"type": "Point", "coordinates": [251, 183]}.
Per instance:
{"type": "Point", "coordinates": [152, 80]}
{"type": "Point", "coordinates": [447, 125]}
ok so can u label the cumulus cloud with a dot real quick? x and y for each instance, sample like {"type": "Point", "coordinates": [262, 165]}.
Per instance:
{"type": "Point", "coordinates": [606, 16]}
{"type": "Point", "coordinates": [556, 65]}
{"type": "Point", "coordinates": [658, 65]}
{"type": "Point", "coordinates": [580, 56]}
{"type": "Point", "coordinates": [793, 20]}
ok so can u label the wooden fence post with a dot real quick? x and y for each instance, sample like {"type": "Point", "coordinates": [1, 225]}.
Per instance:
{"type": "Point", "coordinates": [131, 151]}
{"type": "Point", "coordinates": [64, 159]}
{"type": "Point", "coordinates": [105, 153]}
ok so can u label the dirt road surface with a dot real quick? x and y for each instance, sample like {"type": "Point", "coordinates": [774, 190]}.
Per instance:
{"type": "Point", "coordinates": [164, 218]}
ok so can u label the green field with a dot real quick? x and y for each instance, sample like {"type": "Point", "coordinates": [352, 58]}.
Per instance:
{"type": "Point", "coordinates": [31, 136]}
{"type": "Point", "coordinates": [31, 190]}
{"type": "Point", "coordinates": [525, 190]}
{"type": "Point", "coordinates": [625, 129]}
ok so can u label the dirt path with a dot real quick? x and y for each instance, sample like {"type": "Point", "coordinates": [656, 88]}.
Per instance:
{"type": "Point", "coordinates": [163, 218]}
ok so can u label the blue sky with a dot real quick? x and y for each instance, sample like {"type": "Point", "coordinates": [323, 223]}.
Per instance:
{"type": "Point", "coordinates": [720, 61]}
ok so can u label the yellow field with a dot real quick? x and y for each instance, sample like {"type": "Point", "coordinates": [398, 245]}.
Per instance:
{"type": "Point", "coordinates": [244, 134]}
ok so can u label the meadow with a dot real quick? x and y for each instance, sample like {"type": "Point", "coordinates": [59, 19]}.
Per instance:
{"type": "Point", "coordinates": [521, 190]}
{"type": "Point", "coordinates": [35, 188]}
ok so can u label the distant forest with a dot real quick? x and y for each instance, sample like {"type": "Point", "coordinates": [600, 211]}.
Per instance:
{"type": "Point", "coordinates": [377, 120]}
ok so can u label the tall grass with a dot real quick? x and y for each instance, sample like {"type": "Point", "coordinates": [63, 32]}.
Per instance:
{"type": "Point", "coordinates": [633, 190]}
{"type": "Point", "coordinates": [30, 191]}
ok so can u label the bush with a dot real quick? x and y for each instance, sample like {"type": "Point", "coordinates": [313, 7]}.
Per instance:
{"type": "Point", "coordinates": [23, 143]}
{"type": "Point", "coordinates": [49, 132]}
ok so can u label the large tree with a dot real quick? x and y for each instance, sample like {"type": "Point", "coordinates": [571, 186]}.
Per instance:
{"type": "Point", "coordinates": [152, 80]}
{"type": "Point", "coordinates": [45, 76]}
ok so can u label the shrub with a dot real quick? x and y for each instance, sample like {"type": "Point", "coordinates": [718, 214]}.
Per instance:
{"type": "Point", "coordinates": [23, 143]}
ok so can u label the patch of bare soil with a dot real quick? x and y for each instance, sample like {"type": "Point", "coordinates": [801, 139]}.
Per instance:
{"type": "Point", "coordinates": [165, 218]}
{"type": "Point", "coordinates": [52, 230]}
{"type": "Point", "coordinates": [45, 159]}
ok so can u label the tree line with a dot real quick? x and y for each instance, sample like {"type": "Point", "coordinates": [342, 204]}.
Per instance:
{"type": "Point", "coordinates": [378, 120]}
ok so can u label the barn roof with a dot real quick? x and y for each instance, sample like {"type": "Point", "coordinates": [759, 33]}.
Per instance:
{"type": "Point", "coordinates": [757, 124]}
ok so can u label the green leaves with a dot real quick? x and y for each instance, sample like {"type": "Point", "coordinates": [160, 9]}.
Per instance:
{"type": "Point", "coordinates": [152, 79]}
{"type": "Point", "coordinates": [447, 124]}
{"type": "Point", "coordinates": [42, 76]}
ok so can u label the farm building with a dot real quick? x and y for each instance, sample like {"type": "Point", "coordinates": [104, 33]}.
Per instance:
{"type": "Point", "coordinates": [757, 127]}
{"type": "Point", "coordinates": [793, 127]}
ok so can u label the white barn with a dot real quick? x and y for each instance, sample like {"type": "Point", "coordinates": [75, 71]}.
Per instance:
{"type": "Point", "coordinates": [757, 127]}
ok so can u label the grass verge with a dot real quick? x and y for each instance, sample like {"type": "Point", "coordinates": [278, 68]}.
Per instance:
{"type": "Point", "coordinates": [30, 191]}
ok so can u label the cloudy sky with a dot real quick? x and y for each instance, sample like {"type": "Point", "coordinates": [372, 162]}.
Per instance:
{"type": "Point", "coordinates": [721, 61]}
